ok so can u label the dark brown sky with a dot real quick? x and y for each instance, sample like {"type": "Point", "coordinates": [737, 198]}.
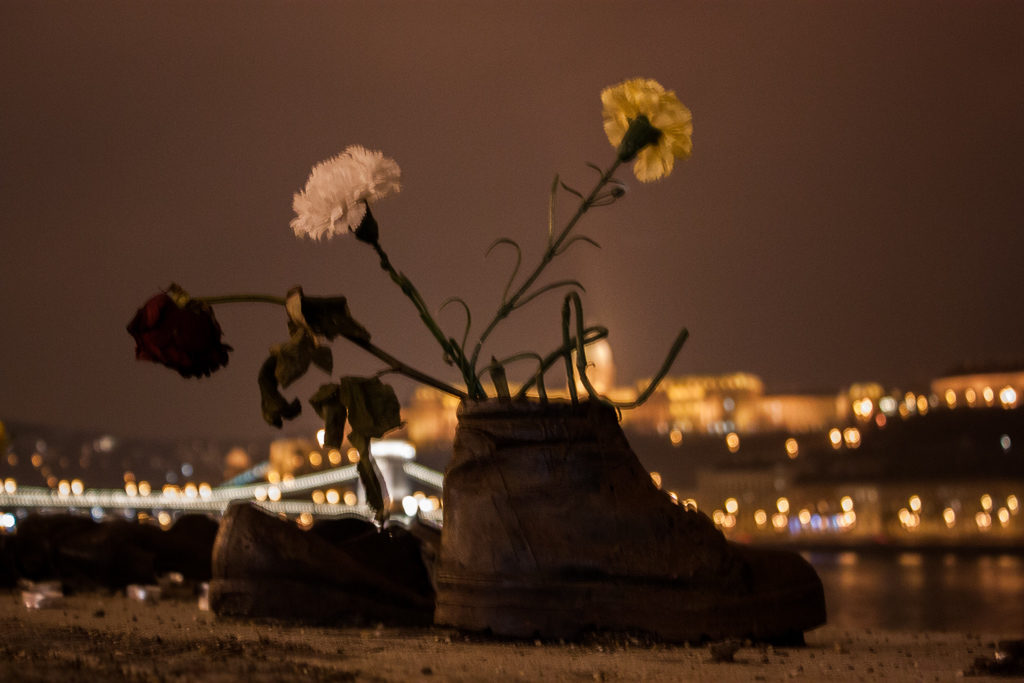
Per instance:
{"type": "Point", "coordinates": [852, 210]}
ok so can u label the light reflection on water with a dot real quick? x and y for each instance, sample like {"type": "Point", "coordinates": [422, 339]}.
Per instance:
{"type": "Point", "coordinates": [923, 591]}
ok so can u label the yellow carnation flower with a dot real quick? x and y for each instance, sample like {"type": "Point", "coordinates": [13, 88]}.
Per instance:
{"type": "Point", "coordinates": [639, 101]}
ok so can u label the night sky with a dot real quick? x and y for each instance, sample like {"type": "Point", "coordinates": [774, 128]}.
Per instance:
{"type": "Point", "coordinates": [852, 210]}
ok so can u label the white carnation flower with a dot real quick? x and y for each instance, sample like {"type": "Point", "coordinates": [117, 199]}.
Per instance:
{"type": "Point", "coordinates": [339, 189]}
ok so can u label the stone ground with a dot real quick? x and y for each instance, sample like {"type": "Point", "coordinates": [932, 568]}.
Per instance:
{"type": "Point", "coordinates": [104, 637]}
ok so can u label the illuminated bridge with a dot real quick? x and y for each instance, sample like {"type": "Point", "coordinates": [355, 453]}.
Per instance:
{"type": "Point", "coordinates": [294, 497]}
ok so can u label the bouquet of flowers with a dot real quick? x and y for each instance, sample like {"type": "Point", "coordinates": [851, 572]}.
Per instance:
{"type": "Point", "coordinates": [645, 123]}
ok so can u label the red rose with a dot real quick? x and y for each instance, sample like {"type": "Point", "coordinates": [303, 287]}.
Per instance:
{"type": "Point", "coordinates": [184, 337]}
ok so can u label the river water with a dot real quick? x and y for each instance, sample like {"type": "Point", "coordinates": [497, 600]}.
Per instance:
{"type": "Point", "coordinates": [935, 591]}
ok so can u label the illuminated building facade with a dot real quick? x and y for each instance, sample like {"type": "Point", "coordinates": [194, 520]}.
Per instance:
{"type": "Point", "coordinates": [693, 404]}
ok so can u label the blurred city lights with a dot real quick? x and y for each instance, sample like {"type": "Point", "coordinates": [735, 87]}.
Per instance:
{"type": "Point", "coordinates": [863, 408]}
{"type": "Point", "coordinates": [922, 404]}
{"type": "Point", "coordinates": [732, 442]}
{"type": "Point", "coordinates": [1008, 396]}
{"type": "Point", "coordinates": [410, 506]}
{"type": "Point", "coordinates": [887, 404]}
{"type": "Point", "coordinates": [983, 520]}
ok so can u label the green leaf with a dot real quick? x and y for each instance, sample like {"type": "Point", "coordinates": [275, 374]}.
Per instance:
{"type": "Point", "coordinates": [330, 317]}
{"type": "Point", "coordinates": [373, 408]}
{"type": "Point", "coordinates": [571, 190]}
{"type": "Point", "coordinates": [369, 474]}
{"type": "Point", "coordinates": [276, 407]}
{"type": "Point", "coordinates": [327, 404]}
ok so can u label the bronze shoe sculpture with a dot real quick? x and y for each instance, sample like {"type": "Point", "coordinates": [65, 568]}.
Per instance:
{"type": "Point", "coordinates": [553, 528]}
{"type": "Point", "coordinates": [341, 572]}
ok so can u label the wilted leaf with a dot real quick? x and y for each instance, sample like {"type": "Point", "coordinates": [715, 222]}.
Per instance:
{"type": "Point", "coordinates": [293, 356]}
{"type": "Point", "coordinates": [330, 317]}
{"type": "Point", "coordinates": [369, 474]}
{"type": "Point", "coordinates": [276, 407]}
{"type": "Point", "coordinates": [327, 404]}
{"type": "Point", "coordinates": [323, 359]}
{"type": "Point", "coordinates": [373, 408]}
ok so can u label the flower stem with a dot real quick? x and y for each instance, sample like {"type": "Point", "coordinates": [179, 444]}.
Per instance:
{"type": "Point", "coordinates": [509, 304]}
{"type": "Point", "coordinates": [392, 362]}
{"type": "Point", "coordinates": [403, 369]}
{"type": "Point", "coordinates": [242, 299]}
{"type": "Point", "coordinates": [449, 346]}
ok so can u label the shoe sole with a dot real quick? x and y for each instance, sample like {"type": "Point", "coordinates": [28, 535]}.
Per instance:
{"type": "Point", "coordinates": [569, 609]}
{"type": "Point", "coordinates": [291, 600]}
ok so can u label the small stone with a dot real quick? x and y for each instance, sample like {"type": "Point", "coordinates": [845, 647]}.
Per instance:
{"type": "Point", "coordinates": [724, 651]}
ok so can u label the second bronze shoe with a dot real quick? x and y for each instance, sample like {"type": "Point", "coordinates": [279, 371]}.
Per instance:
{"type": "Point", "coordinates": [340, 572]}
